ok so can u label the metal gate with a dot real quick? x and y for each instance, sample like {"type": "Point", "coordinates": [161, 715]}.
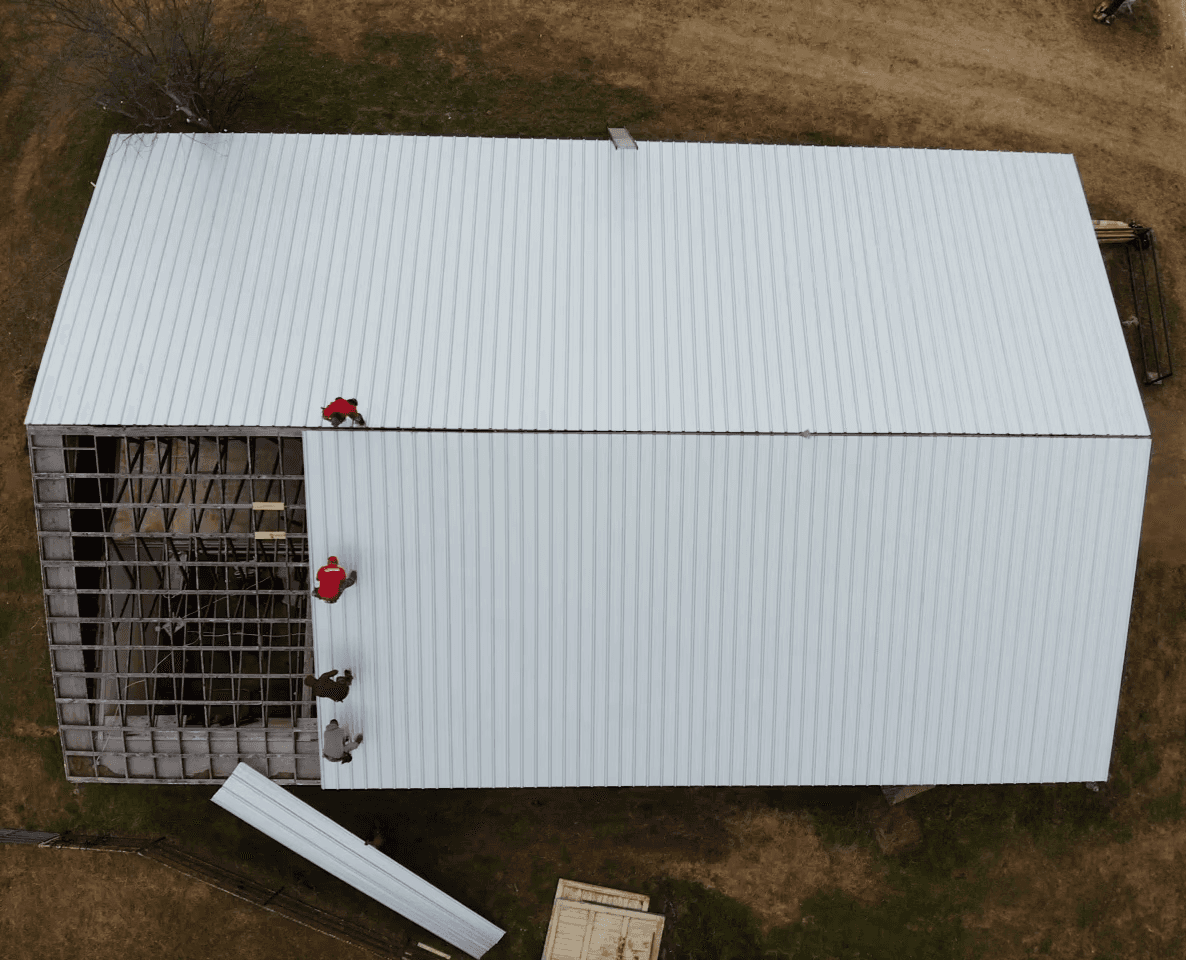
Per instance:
{"type": "Point", "coordinates": [1130, 256]}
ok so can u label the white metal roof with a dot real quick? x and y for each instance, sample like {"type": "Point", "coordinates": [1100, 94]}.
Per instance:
{"type": "Point", "coordinates": [268, 807]}
{"type": "Point", "coordinates": [247, 279]}
{"type": "Point", "coordinates": [575, 609]}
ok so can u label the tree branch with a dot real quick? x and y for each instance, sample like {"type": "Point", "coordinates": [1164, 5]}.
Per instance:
{"type": "Point", "coordinates": [150, 60]}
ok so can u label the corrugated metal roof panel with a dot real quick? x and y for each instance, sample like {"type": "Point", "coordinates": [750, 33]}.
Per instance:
{"type": "Point", "coordinates": [573, 610]}
{"type": "Point", "coordinates": [268, 807]}
{"type": "Point", "coordinates": [453, 283]}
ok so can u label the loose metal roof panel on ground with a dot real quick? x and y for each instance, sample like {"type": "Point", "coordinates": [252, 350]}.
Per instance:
{"type": "Point", "coordinates": [580, 610]}
{"type": "Point", "coordinates": [268, 807]}
{"type": "Point", "coordinates": [245, 280]}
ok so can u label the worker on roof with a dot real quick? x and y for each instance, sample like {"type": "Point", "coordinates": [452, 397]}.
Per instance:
{"type": "Point", "coordinates": [337, 745]}
{"type": "Point", "coordinates": [326, 686]}
{"type": "Point", "coordinates": [332, 580]}
{"type": "Point", "coordinates": [339, 410]}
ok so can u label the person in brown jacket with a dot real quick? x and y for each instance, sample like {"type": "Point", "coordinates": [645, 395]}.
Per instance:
{"type": "Point", "coordinates": [326, 686]}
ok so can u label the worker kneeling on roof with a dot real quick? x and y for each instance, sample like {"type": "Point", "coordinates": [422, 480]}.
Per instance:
{"type": "Point", "coordinates": [332, 580]}
{"type": "Point", "coordinates": [340, 409]}
{"type": "Point", "coordinates": [337, 744]}
{"type": "Point", "coordinates": [326, 686]}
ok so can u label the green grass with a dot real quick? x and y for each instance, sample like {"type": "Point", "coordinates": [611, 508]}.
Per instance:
{"type": "Point", "coordinates": [28, 694]}
{"type": "Point", "coordinates": [24, 656]}
{"type": "Point", "coordinates": [818, 138]}
{"type": "Point", "coordinates": [837, 813]}
{"type": "Point", "coordinates": [57, 199]}
{"type": "Point", "coordinates": [703, 924]}
{"type": "Point", "coordinates": [914, 922]}
{"type": "Point", "coordinates": [23, 119]}
{"type": "Point", "coordinates": [404, 85]}
{"type": "Point", "coordinates": [62, 203]}
{"type": "Point", "coordinates": [518, 830]}
{"type": "Point", "coordinates": [917, 924]}
{"type": "Point", "coordinates": [1166, 808]}
{"type": "Point", "coordinates": [28, 581]}
{"type": "Point", "coordinates": [960, 822]}
{"type": "Point", "coordinates": [544, 878]}
{"type": "Point", "coordinates": [135, 810]}
{"type": "Point", "coordinates": [1135, 761]}
{"type": "Point", "coordinates": [611, 828]}
{"type": "Point", "coordinates": [18, 127]}
{"type": "Point", "coordinates": [946, 875]}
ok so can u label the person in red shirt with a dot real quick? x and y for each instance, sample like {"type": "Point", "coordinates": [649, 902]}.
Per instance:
{"type": "Point", "coordinates": [339, 410]}
{"type": "Point", "coordinates": [332, 580]}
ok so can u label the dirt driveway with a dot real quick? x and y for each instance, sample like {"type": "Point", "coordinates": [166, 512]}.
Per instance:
{"type": "Point", "coordinates": [969, 74]}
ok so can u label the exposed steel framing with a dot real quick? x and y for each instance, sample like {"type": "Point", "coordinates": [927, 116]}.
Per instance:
{"type": "Point", "coordinates": [178, 639]}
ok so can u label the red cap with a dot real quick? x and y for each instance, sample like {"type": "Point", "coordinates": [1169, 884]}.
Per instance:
{"type": "Point", "coordinates": [333, 561]}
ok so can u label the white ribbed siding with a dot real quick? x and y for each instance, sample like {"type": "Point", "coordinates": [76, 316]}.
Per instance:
{"type": "Point", "coordinates": [564, 610]}
{"type": "Point", "coordinates": [268, 807]}
{"type": "Point", "coordinates": [246, 280]}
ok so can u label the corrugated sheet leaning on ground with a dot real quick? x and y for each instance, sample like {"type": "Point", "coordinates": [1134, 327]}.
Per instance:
{"type": "Point", "coordinates": [268, 807]}
{"type": "Point", "coordinates": [245, 280]}
{"type": "Point", "coordinates": [563, 610]}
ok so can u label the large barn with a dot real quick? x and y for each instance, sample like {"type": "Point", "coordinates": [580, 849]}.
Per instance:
{"type": "Point", "coordinates": [683, 464]}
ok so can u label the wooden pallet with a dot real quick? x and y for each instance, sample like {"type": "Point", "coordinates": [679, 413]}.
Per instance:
{"type": "Point", "coordinates": [599, 923]}
{"type": "Point", "coordinates": [1113, 231]}
{"type": "Point", "coordinates": [588, 893]}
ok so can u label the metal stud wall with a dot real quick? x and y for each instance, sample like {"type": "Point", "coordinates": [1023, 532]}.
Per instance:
{"type": "Point", "coordinates": [176, 575]}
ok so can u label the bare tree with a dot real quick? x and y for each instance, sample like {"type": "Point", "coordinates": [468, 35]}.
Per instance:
{"type": "Point", "coordinates": [160, 63]}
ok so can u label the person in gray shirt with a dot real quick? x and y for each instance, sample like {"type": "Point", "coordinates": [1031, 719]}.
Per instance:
{"type": "Point", "coordinates": [337, 743]}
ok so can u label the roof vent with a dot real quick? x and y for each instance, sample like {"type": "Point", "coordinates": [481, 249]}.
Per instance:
{"type": "Point", "coordinates": [622, 139]}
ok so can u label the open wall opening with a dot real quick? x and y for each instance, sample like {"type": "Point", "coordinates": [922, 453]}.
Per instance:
{"type": "Point", "coordinates": [176, 574]}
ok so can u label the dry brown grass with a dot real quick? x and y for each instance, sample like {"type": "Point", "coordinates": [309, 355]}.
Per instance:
{"type": "Point", "coordinates": [74, 903]}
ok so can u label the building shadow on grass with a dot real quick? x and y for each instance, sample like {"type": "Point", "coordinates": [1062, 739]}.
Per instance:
{"type": "Point", "coordinates": [412, 83]}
